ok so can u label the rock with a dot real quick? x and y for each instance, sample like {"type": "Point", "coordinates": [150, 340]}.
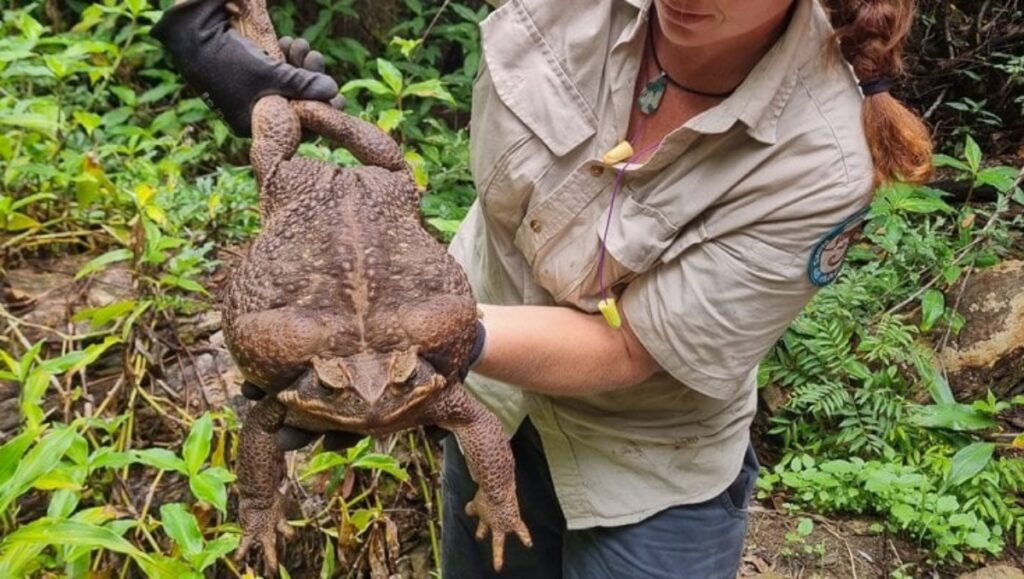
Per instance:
{"type": "Point", "coordinates": [209, 371]}
{"type": "Point", "coordinates": [46, 294]}
{"type": "Point", "coordinates": [989, 351]}
{"type": "Point", "coordinates": [995, 572]}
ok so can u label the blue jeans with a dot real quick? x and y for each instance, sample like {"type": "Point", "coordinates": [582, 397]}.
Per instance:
{"type": "Point", "coordinates": [698, 541]}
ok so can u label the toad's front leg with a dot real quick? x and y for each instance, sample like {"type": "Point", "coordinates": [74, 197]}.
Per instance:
{"type": "Point", "coordinates": [490, 462]}
{"type": "Point", "coordinates": [260, 470]}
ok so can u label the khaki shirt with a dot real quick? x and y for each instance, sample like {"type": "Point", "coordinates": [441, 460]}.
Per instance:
{"type": "Point", "coordinates": [712, 247]}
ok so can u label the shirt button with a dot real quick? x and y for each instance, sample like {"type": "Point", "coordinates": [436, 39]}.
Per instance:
{"type": "Point", "coordinates": [535, 225]}
{"type": "Point", "coordinates": [596, 170]}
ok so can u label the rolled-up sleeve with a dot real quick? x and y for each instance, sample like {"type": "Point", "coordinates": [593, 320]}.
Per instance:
{"type": "Point", "coordinates": [710, 314]}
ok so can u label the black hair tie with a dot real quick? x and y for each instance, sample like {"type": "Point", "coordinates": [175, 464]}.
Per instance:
{"type": "Point", "coordinates": [876, 85]}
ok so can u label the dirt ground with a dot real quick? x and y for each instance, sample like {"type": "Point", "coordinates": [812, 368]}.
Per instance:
{"type": "Point", "coordinates": [849, 548]}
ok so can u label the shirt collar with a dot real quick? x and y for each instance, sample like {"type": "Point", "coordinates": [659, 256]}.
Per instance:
{"type": "Point", "coordinates": [760, 99]}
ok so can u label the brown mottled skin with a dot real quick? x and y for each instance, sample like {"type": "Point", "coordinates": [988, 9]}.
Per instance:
{"type": "Point", "coordinates": [347, 312]}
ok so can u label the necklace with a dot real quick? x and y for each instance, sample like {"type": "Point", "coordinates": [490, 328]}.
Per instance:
{"type": "Point", "coordinates": [650, 97]}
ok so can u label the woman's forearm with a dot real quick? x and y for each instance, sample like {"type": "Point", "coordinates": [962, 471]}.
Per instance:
{"type": "Point", "coordinates": [560, 351]}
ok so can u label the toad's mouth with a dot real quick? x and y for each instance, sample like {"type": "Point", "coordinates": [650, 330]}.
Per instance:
{"type": "Point", "coordinates": [326, 407]}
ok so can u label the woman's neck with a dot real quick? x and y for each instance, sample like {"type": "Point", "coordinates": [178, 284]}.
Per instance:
{"type": "Point", "coordinates": [720, 66]}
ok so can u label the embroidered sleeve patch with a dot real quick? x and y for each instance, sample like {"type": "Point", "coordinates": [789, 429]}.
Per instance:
{"type": "Point", "coordinates": [828, 254]}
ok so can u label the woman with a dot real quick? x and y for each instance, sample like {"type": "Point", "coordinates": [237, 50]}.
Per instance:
{"type": "Point", "coordinates": [662, 187]}
{"type": "Point", "coordinates": [750, 169]}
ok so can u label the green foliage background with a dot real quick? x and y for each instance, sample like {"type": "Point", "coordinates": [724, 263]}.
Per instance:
{"type": "Point", "coordinates": [104, 153]}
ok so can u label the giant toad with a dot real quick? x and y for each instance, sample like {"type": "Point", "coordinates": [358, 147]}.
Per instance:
{"type": "Point", "coordinates": [347, 312]}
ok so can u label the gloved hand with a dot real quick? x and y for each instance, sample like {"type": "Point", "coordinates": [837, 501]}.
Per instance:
{"type": "Point", "coordinates": [231, 72]}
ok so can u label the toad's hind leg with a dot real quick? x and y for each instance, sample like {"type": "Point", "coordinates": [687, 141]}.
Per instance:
{"type": "Point", "coordinates": [491, 465]}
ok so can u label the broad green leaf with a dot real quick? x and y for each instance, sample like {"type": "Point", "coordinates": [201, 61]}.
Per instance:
{"type": "Point", "coordinates": [197, 446]}
{"type": "Point", "coordinates": [969, 461]}
{"type": "Point", "coordinates": [805, 527]}
{"type": "Point", "coordinates": [1001, 178]}
{"type": "Point", "coordinates": [947, 161]}
{"type": "Point", "coordinates": [64, 477]}
{"type": "Point", "coordinates": [89, 121]}
{"type": "Point", "coordinates": [374, 86]}
{"type": "Point", "coordinates": [933, 305]}
{"type": "Point", "coordinates": [430, 89]}
{"type": "Point", "coordinates": [216, 549]}
{"type": "Point", "coordinates": [181, 525]}
{"type": "Point", "coordinates": [32, 394]}
{"type": "Point", "coordinates": [384, 463]}
{"type": "Point", "coordinates": [972, 152]}
{"type": "Point", "coordinates": [391, 75]}
{"type": "Point", "coordinates": [75, 361]}
{"type": "Point", "coordinates": [322, 461]}
{"type": "Point", "coordinates": [12, 451]}
{"type": "Point", "coordinates": [99, 317]}
{"type": "Point", "coordinates": [48, 531]}
{"type": "Point", "coordinates": [957, 417]}
{"type": "Point", "coordinates": [41, 459]}
{"type": "Point", "coordinates": [160, 458]}
{"type": "Point", "coordinates": [62, 504]}
{"type": "Point", "coordinates": [107, 457]}
{"type": "Point", "coordinates": [16, 221]}
{"type": "Point", "coordinates": [389, 119]}
{"type": "Point", "coordinates": [947, 504]}
{"type": "Point", "coordinates": [208, 487]}
{"type": "Point", "coordinates": [107, 258]}
{"type": "Point", "coordinates": [220, 473]}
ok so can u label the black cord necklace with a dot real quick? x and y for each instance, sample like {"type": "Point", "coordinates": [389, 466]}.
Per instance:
{"type": "Point", "coordinates": [650, 97]}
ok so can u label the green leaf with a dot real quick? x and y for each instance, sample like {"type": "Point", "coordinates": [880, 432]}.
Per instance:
{"type": "Point", "coordinates": [969, 461]}
{"type": "Point", "coordinates": [391, 75]}
{"type": "Point", "coordinates": [19, 222]}
{"type": "Point", "coordinates": [89, 121]}
{"type": "Point", "coordinates": [322, 461]}
{"type": "Point", "coordinates": [933, 305]}
{"type": "Point", "coordinates": [972, 152]}
{"type": "Point", "coordinates": [208, 487]}
{"type": "Point", "coordinates": [161, 458]}
{"type": "Point", "coordinates": [75, 361]}
{"type": "Point", "coordinates": [805, 527]}
{"type": "Point", "coordinates": [107, 457]}
{"type": "Point", "coordinates": [947, 504]}
{"type": "Point", "coordinates": [181, 525]}
{"type": "Point", "coordinates": [389, 119]}
{"type": "Point", "coordinates": [107, 258]}
{"type": "Point", "coordinates": [1001, 178]}
{"type": "Point", "coordinates": [197, 445]}
{"type": "Point", "coordinates": [41, 459]}
{"type": "Point", "coordinates": [374, 86]}
{"type": "Point", "coordinates": [99, 317]}
{"type": "Point", "coordinates": [12, 451]}
{"type": "Point", "coordinates": [48, 531]}
{"type": "Point", "coordinates": [430, 89]}
{"type": "Point", "coordinates": [216, 549]}
{"type": "Point", "coordinates": [957, 417]}
{"type": "Point", "coordinates": [382, 462]}
{"type": "Point", "coordinates": [947, 161]}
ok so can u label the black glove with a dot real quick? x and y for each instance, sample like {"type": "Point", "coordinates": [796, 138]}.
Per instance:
{"type": "Point", "coordinates": [231, 72]}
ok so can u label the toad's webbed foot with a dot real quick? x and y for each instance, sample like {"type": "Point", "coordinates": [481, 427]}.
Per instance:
{"type": "Point", "coordinates": [498, 519]}
{"type": "Point", "coordinates": [262, 525]}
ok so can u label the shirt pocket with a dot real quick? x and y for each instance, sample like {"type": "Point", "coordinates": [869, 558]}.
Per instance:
{"type": "Point", "coordinates": [571, 267]}
{"type": "Point", "coordinates": [527, 111]}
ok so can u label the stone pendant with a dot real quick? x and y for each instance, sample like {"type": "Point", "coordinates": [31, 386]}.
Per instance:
{"type": "Point", "coordinates": [650, 96]}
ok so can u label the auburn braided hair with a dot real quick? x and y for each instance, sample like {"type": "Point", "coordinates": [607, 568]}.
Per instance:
{"type": "Point", "coordinates": [871, 34]}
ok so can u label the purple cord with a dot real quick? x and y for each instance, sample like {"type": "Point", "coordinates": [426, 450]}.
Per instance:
{"type": "Point", "coordinates": [620, 177]}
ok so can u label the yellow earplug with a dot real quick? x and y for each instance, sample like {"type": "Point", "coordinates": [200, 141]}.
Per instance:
{"type": "Point", "coordinates": [619, 152]}
{"type": "Point", "coordinates": [610, 311]}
